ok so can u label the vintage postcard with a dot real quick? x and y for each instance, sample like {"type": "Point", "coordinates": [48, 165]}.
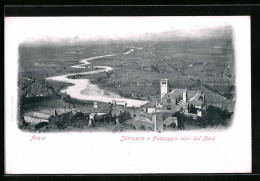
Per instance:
{"type": "Point", "coordinates": [88, 95]}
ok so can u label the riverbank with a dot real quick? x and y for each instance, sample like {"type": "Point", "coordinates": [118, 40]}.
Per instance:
{"type": "Point", "coordinates": [83, 89]}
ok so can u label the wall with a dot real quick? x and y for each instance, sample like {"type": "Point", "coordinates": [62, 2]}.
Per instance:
{"type": "Point", "coordinates": [150, 110]}
{"type": "Point", "coordinates": [33, 120]}
{"type": "Point", "coordinates": [159, 123]}
{"type": "Point", "coordinates": [172, 104]}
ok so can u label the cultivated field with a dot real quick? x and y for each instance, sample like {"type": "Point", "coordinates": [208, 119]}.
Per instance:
{"type": "Point", "coordinates": [138, 66]}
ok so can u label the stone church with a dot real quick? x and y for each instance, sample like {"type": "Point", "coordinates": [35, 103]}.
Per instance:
{"type": "Point", "coordinates": [190, 102]}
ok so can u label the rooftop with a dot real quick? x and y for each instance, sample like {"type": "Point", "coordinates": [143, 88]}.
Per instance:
{"type": "Point", "coordinates": [38, 115]}
{"type": "Point", "coordinates": [170, 120]}
{"type": "Point", "coordinates": [46, 114]}
{"type": "Point", "coordinates": [191, 94]}
{"type": "Point", "coordinates": [178, 91]}
{"type": "Point", "coordinates": [58, 111]}
{"type": "Point", "coordinates": [86, 110]}
{"type": "Point", "coordinates": [164, 79]}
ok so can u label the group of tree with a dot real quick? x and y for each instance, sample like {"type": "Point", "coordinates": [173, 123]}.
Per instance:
{"type": "Point", "coordinates": [74, 76]}
{"type": "Point", "coordinates": [213, 116]}
{"type": "Point", "coordinates": [155, 68]}
{"type": "Point", "coordinates": [182, 119]}
{"type": "Point", "coordinates": [109, 74]}
{"type": "Point", "coordinates": [124, 116]}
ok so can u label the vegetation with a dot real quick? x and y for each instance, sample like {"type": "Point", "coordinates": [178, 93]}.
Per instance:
{"type": "Point", "coordinates": [182, 119]}
{"type": "Point", "coordinates": [206, 64]}
{"type": "Point", "coordinates": [124, 116]}
{"type": "Point", "coordinates": [215, 116]}
{"type": "Point", "coordinates": [212, 117]}
{"type": "Point", "coordinates": [155, 68]}
{"type": "Point", "coordinates": [74, 76]}
{"type": "Point", "coordinates": [69, 120]}
{"type": "Point", "coordinates": [227, 91]}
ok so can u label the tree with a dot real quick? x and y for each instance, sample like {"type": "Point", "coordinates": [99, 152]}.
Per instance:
{"type": "Point", "coordinates": [198, 83]}
{"type": "Point", "coordinates": [215, 116]}
{"type": "Point", "coordinates": [182, 119]}
{"type": "Point", "coordinates": [142, 127]}
{"type": "Point", "coordinates": [155, 68]}
{"type": "Point", "coordinates": [100, 79]}
{"type": "Point", "coordinates": [109, 74]}
{"type": "Point", "coordinates": [124, 116]}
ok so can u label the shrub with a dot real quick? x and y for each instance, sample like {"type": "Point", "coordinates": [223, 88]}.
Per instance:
{"type": "Point", "coordinates": [215, 116]}
{"type": "Point", "coordinates": [142, 127]}
{"type": "Point", "coordinates": [124, 116]}
{"type": "Point", "coordinates": [150, 129]}
{"type": "Point", "coordinates": [40, 125]}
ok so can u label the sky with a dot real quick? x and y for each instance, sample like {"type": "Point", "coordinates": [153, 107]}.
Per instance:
{"type": "Point", "coordinates": [58, 29]}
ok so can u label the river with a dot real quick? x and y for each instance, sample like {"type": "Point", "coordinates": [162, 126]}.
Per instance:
{"type": "Point", "coordinates": [83, 89]}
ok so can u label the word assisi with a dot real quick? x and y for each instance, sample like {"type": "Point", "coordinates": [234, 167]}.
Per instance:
{"type": "Point", "coordinates": [38, 138]}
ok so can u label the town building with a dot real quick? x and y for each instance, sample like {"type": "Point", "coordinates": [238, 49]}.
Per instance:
{"type": "Point", "coordinates": [160, 124]}
{"type": "Point", "coordinates": [34, 118]}
{"type": "Point", "coordinates": [189, 102]}
{"type": "Point", "coordinates": [95, 113]}
{"type": "Point", "coordinates": [183, 100]}
{"type": "Point", "coordinates": [156, 121]}
{"type": "Point", "coordinates": [150, 109]}
{"type": "Point", "coordinates": [119, 103]}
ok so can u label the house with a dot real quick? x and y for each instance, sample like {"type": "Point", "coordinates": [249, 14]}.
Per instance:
{"type": "Point", "coordinates": [45, 115]}
{"type": "Point", "coordinates": [171, 120]}
{"type": "Point", "coordinates": [57, 112]}
{"type": "Point", "coordinates": [95, 113]}
{"type": "Point", "coordinates": [160, 123]}
{"type": "Point", "coordinates": [156, 121]}
{"type": "Point", "coordinates": [119, 103]}
{"type": "Point", "coordinates": [36, 117]}
{"type": "Point", "coordinates": [150, 109]}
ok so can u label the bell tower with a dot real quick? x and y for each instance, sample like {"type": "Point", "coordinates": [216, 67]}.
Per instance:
{"type": "Point", "coordinates": [184, 96]}
{"type": "Point", "coordinates": [164, 87]}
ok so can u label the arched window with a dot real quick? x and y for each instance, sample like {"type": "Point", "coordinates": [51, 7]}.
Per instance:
{"type": "Point", "coordinates": [169, 101]}
{"type": "Point", "coordinates": [169, 107]}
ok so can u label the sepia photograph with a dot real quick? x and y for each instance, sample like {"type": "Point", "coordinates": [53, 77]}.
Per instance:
{"type": "Point", "coordinates": [177, 81]}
